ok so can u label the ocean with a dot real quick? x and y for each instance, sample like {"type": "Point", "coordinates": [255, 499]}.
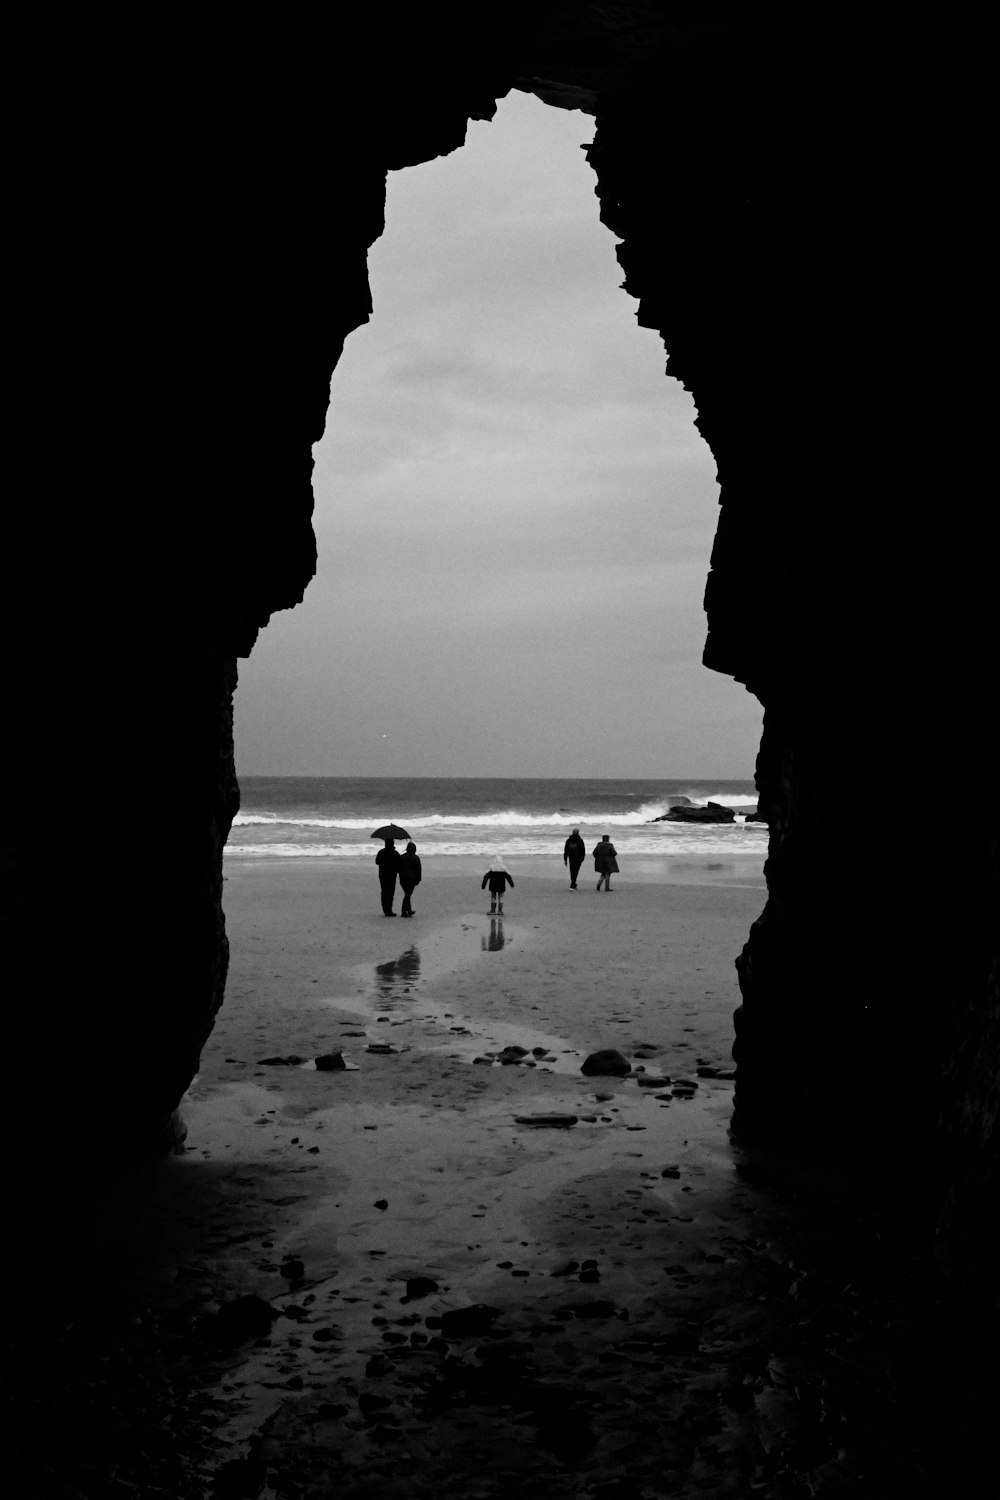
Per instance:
{"type": "Point", "coordinates": [332, 817]}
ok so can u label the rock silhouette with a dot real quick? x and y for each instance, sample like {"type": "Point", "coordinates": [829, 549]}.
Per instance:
{"type": "Point", "coordinates": [607, 1062]}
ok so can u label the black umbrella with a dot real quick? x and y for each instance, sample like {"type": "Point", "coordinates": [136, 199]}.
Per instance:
{"type": "Point", "coordinates": [390, 831]}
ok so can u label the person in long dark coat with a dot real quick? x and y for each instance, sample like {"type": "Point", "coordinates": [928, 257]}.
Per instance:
{"type": "Point", "coordinates": [409, 877]}
{"type": "Point", "coordinates": [605, 861]}
{"type": "Point", "coordinates": [387, 860]}
{"type": "Point", "coordinates": [574, 854]}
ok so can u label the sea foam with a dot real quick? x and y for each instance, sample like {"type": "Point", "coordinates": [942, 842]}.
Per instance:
{"type": "Point", "coordinates": [719, 840]}
{"type": "Point", "coordinates": [648, 812]}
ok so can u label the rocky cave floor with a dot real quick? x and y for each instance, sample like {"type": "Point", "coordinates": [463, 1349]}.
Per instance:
{"type": "Point", "coordinates": [796, 1349]}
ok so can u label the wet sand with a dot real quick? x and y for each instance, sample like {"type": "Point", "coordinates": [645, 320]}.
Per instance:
{"type": "Point", "coordinates": [446, 1299]}
{"type": "Point", "coordinates": [412, 1163]}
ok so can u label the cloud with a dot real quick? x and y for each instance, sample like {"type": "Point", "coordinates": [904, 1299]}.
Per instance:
{"type": "Point", "coordinates": [514, 510]}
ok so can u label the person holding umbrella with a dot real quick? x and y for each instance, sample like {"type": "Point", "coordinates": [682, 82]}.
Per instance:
{"type": "Point", "coordinates": [387, 861]}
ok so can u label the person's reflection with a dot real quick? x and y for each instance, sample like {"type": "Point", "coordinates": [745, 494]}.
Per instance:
{"type": "Point", "coordinates": [495, 941]}
{"type": "Point", "coordinates": [391, 977]}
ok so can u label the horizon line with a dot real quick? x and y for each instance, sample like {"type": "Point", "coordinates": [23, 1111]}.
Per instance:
{"type": "Point", "coordinates": [423, 776]}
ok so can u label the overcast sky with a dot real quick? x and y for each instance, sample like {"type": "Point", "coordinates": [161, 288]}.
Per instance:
{"type": "Point", "coordinates": [514, 510]}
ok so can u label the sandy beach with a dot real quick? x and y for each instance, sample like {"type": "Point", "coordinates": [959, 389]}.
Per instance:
{"type": "Point", "coordinates": [655, 955]}
{"type": "Point", "coordinates": [411, 1163]}
{"type": "Point", "coordinates": [434, 1273]}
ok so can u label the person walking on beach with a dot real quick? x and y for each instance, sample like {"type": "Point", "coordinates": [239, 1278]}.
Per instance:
{"type": "Point", "coordinates": [498, 876]}
{"type": "Point", "coordinates": [409, 877]}
{"type": "Point", "coordinates": [574, 853]}
{"type": "Point", "coordinates": [387, 860]}
{"type": "Point", "coordinates": [605, 862]}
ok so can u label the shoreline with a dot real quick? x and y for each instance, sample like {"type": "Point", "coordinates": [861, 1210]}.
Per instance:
{"type": "Point", "coordinates": [743, 867]}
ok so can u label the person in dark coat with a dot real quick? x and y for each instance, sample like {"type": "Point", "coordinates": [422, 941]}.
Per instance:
{"type": "Point", "coordinates": [409, 877]}
{"type": "Point", "coordinates": [574, 853]}
{"type": "Point", "coordinates": [498, 876]}
{"type": "Point", "coordinates": [605, 862]}
{"type": "Point", "coordinates": [387, 860]}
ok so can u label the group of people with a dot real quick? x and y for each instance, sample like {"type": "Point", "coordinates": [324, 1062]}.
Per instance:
{"type": "Point", "coordinates": [393, 866]}
{"type": "Point", "coordinates": [405, 868]}
{"type": "Point", "coordinates": [605, 859]}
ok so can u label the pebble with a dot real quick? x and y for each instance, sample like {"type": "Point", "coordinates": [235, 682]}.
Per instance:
{"type": "Point", "coordinates": [465, 1322]}
{"type": "Point", "coordinates": [330, 1062]}
{"type": "Point", "coordinates": [606, 1061]}
{"type": "Point", "coordinates": [550, 1122]}
{"type": "Point", "coordinates": [593, 1310]}
{"type": "Point", "coordinates": [420, 1286]}
{"type": "Point", "coordinates": [238, 1321]}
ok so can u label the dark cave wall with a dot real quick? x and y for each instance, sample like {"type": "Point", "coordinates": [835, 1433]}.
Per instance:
{"type": "Point", "coordinates": [785, 247]}
{"type": "Point", "coordinates": [195, 227]}
{"type": "Point", "coordinates": [788, 199]}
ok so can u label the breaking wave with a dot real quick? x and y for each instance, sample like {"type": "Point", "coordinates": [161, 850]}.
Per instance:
{"type": "Point", "coordinates": [722, 839]}
{"type": "Point", "coordinates": [506, 818]}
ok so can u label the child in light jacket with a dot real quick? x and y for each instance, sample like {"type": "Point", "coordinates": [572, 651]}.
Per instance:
{"type": "Point", "coordinates": [499, 878]}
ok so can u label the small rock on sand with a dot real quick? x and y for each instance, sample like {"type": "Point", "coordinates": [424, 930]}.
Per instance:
{"type": "Point", "coordinates": [238, 1321]}
{"type": "Point", "coordinates": [330, 1062]}
{"type": "Point", "coordinates": [594, 1310]}
{"type": "Point", "coordinates": [550, 1122]}
{"type": "Point", "coordinates": [420, 1286]}
{"type": "Point", "coordinates": [607, 1061]}
{"type": "Point", "coordinates": [467, 1322]}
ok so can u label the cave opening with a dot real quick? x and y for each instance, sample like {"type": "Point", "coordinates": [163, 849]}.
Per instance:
{"type": "Point", "coordinates": [812, 1362]}
{"type": "Point", "coordinates": [502, 447]}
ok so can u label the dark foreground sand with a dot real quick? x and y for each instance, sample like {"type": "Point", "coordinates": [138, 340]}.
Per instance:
{"type": "Point", "coordinates": [655, 1314]}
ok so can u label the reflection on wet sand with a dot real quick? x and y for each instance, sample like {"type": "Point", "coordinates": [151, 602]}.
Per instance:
{"type": "Point", "coordinates": [495, 941]}
{"type": "Point", "coordinates": [397, 975]}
